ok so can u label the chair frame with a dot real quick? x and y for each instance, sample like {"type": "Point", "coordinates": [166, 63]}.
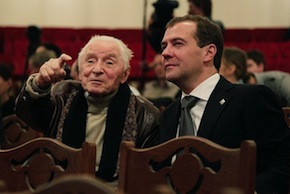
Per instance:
{"type": "Point", "coordinates": [41, 160]}
{"type": "Point", "coordinates": [16, 132]}
{"type": "Point", "coordinates": [188, 172]}
{"type": "Point", "coordinates": [70, 184]}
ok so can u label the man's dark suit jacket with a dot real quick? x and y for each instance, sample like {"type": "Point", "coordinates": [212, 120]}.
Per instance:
{"type": "Point", "coordinates": [236, 112]}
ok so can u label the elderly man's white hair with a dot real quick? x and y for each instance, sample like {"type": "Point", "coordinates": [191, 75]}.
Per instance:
{"type": "Point", "coordinates": [126, 53]}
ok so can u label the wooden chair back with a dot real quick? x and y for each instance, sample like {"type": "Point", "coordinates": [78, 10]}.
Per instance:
{"type": "Point", "coordinates": [286, 111]}
{"type": "Point", "coordinates": [16, 132]}
{"type": "Point", "coordinates": [41, 160]}
{"type": "Point", "coordinates": [71, 184]}
{"type": "Point", "coordinates": [192, 171]}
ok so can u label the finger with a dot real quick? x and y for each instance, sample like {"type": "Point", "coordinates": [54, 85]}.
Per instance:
{"type": "Point", "coordinates": [63, 58]}
{"type": "Point", "coordinates": [43, 79]}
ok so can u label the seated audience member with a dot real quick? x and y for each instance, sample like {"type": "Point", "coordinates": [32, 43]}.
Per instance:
{"type": "Point", "coordinates": [255, 61]}
{"type": "Point", "coordinates": [234, 65]}
{"type": "Point", "coordinates": [39, 58]}
{"type": "Point", "coordinates": [225, 113]}
{"type": "Point", "coordinates": [7, 101]}
{"type": "Point", "coordinates": [49, 46]}
{"type": "Point", "coordinates": [101, 108]}
{"type": "Point", "coordinates": [159, 90]}
{"type": "Point", "coordinates": [277, 81]}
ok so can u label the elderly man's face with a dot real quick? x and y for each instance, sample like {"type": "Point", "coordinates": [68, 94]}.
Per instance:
{"type": "Point", "coordinates": [102, 68]}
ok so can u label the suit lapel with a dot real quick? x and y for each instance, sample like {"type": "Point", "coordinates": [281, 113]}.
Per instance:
{"type": "Point", "coordinates": [169, 121]}
{"type": "Point", "coordinates": [217, 102]}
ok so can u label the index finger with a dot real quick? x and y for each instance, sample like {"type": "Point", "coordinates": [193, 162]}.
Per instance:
{"type": "Point", "coordinates": [63, 58]}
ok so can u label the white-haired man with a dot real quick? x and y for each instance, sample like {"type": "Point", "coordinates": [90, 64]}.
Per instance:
{"type": "Point", "coordinates": [100, 108]}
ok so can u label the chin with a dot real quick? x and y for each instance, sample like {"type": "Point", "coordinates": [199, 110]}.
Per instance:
{"type": "Point", "coordinates": [96, 92]}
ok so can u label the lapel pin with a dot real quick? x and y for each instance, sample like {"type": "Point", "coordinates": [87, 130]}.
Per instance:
{"type": "Point", "coordinates": [222, 101]}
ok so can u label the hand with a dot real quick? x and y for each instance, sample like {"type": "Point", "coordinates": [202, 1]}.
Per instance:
{"type": "Point", "coordinates": [51, 71]}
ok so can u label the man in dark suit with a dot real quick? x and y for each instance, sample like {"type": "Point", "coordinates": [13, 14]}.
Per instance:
{"type": "Point", "coordinates": [225, 113]}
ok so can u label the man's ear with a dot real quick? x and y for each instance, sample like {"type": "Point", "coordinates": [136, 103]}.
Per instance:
{"type": "Point", "coordinates": [210, 52]}
{"type": "Point", "coordinates": [126, 74]}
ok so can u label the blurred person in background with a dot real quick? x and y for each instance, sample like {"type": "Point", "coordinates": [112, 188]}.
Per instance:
{"type": "Point", "coordinates": [277, 81]}
{"type": "Point", "coordinates": [33, 34]}
{"type": "Point", "coordinates": [163, 12]}
{"type": "Point", "coordinates": [49, 46]}
{"type": "Point", "coordinates": [255, 61]}
{"type": "Point", "coordinates": [234, 65]}
{"type": "Point", "coordinates": [160, 91]}
{"type": "Point", "coordinates": [39, 58]}
{"type": "Point", "coordinates": [57, 51]}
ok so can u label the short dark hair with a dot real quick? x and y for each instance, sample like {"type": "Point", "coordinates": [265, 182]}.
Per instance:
{"type": "Point", "coordinates": [207, 32]}
{"type": "Point", "coordinates": [238, 57]}
{"type": "Point", "coordinates": [257, 56]}
{"type": "Point", "coordinates": [6, 71]}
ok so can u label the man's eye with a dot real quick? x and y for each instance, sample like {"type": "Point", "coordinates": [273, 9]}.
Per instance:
{"type": "Point", "coordinates": [109, 62]}
{"type": "Point", "coordinates": [178, 44]}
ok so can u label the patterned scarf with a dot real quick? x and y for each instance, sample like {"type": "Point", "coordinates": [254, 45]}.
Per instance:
{"type": "Point", "coordinates": [120, 125]}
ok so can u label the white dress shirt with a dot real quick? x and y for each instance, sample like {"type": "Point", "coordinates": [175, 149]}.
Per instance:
{"type": "Point", "coordinates": [203, 92]}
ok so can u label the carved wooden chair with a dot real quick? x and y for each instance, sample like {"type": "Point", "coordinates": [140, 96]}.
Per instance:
{"type": "Point", "coordinates": [71, 184]}
{"type": "Point", "coordinates": [286, 111]}
{"type": "Point", "coordinates": [200, 167]}
{"type": "Point", "coordinates": [16, 132]}
{"type": "Point", "coordinates": [41, 160]}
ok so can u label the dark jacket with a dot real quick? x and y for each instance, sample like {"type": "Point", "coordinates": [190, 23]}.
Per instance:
{"type": "Point", "coordinates": [129, 118]}
{"type": "Point", "coordinates": [248, 112]}
{"type": "Point", "coordinates": [8, 107]}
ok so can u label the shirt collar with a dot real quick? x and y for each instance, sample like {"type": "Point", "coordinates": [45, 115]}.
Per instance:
{"type": "Point", "coordinates": [204, 90]}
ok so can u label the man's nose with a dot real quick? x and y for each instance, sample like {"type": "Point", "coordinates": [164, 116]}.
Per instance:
{"type": "Point", "coordinates": [97, 68]}
{"type": "Point", "coordinates": [166, 53]}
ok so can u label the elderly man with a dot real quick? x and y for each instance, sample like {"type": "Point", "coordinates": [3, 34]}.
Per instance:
{"type": "Point", "coordinates": [101, 108]}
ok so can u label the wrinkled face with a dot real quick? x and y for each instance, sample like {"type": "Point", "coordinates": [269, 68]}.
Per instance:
{"type": "Point", "coordinates": [183, 58]}
{"type": "Point", "coordinates": [253, 67]}
{"type": "Point", "coordinates": [102, 69]}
